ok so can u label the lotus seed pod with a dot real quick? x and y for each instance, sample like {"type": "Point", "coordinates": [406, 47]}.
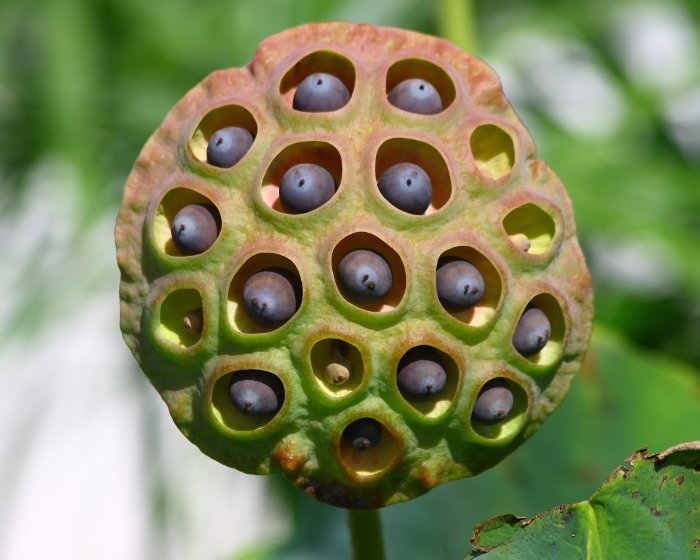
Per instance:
{"type": "Point", "coordinates": [319, 391]}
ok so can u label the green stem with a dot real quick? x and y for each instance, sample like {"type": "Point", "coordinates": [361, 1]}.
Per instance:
{"type": "Point", "coordinates": [456, 23]}
{"type": "Point", "coordinates": [366, 534]}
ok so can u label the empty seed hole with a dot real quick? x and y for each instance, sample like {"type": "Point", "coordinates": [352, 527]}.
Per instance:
{"type": "Point", "coordinates": [247, 400]}
{"type": "Point", "coordinates": [219, 119]}
{"type": "Point", "coordinates": [320, 154]}
{"type": "Point", "coordinates": [430, 160]}
{"type": "Point", "coordinates": [493, 151]}
{"type": "Point", "coordinates": [205, 221]}
{"type": "Point", "coordinates": [427, 379]}
{"type": "Point", "coordinates": [416, 68]}
{"type": "Point", "coordinates": [486, 308]}
{"type": "Point", "coordinates": [530, 229]}
{"type": "Point", "coordinates": [531, 327]}
{"type": "Point", "coordinates": [352, 253]}
{"type": "Point", "coordinates": [265, 293]}
{"type": "Point", "coordinates": [367, 449]}
{"type": "Point", "coordinates": [181, 320]}
{"type": "Point", "coordinates": [325, 62]}
{"type": "Point", "coordinates": [499, 409]}
{"type": "Point", "coordinates": [337, 366]}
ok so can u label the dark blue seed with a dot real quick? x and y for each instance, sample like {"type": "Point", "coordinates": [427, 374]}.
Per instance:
{"type": "Point", "coordinates": [270, 297]}
{"type": "Point", "coordinates": [363, 434]}
{"type": "Point", "coordinates": [228, 145]}
{"type": "Point", "coordinates": [320, 92]}
{"type": "Point", "coordinates": [532, 332]}
{"type": "Point", "coordinates": [459, 284]}
{"type": "Point", "coordinates": [494, 403]}
{"type": "Point", "coordinates": [305, 187]}
{"type": "Point", "coordinates": [256, 393]}
{"type": "Point", "coordinates": [365, 275]}
{"type": "Point", "coordinates": [421, 374]}
{"type": "Point", "coordinates": [195, 228]}
{"type": "Point", "coordinates": [407, 187]}
{"type": "Point", "coordinates": [416, 96]}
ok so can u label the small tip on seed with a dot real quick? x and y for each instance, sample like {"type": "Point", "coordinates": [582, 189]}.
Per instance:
{"type": "Point", "coordinates": [194, 321]}
{"type": "Point", "coordinates": [521, 241]}
{"type": "Point", "coordinates": [337, 373]}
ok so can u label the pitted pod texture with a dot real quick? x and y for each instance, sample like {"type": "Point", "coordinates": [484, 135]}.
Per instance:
{"type": "Point", "coordinates": [358, 382]}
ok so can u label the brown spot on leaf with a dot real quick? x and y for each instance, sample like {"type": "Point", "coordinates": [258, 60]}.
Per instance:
{"type": "Point", "coordinates": [664, 479]}
{"type": "Point", "coordinates": [696, 543]}
{"type": "Point", "coordinates": [635, 495]}
{"type": "Point", "coordinates": [656, 512]}
{"type": "Point", "coordinates": [680, 480]}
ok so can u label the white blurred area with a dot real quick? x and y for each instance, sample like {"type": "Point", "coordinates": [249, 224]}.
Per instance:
{"type": "Point", "coordinates": [91, 465]}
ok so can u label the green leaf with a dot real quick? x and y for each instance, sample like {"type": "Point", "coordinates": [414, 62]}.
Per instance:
{"type": "Point", "coordinates": [647, 508]}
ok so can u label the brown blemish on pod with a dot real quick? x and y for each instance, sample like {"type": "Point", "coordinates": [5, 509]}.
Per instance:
{"type": "Point", "coordinates": [408, 150]}
{"type": "Point", "coordinates": [431, 473]}
{"type": "Point", "coordinates": [170, 204]}
{"type": "Point", "coordinates": [431, 72]}
{"type": "Point", "coordinates": [216, 119]}
{"type": "Point", "coordinates": [289, 456]}
{"type": "Point", "coordinates": [326, 61]}
{"type": "Point", "coordinates": [318, 152]}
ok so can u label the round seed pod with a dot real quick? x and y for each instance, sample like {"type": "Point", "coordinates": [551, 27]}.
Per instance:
{"type": "Point", "coordinates": [273, 395]}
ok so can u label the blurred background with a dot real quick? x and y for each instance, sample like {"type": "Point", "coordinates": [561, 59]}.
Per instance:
{"type": "Point", "coordinates": [91, 465]}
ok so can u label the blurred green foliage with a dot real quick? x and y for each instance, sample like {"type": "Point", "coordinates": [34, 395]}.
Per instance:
{"type": "Point", "coordinates": [87, 81]}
